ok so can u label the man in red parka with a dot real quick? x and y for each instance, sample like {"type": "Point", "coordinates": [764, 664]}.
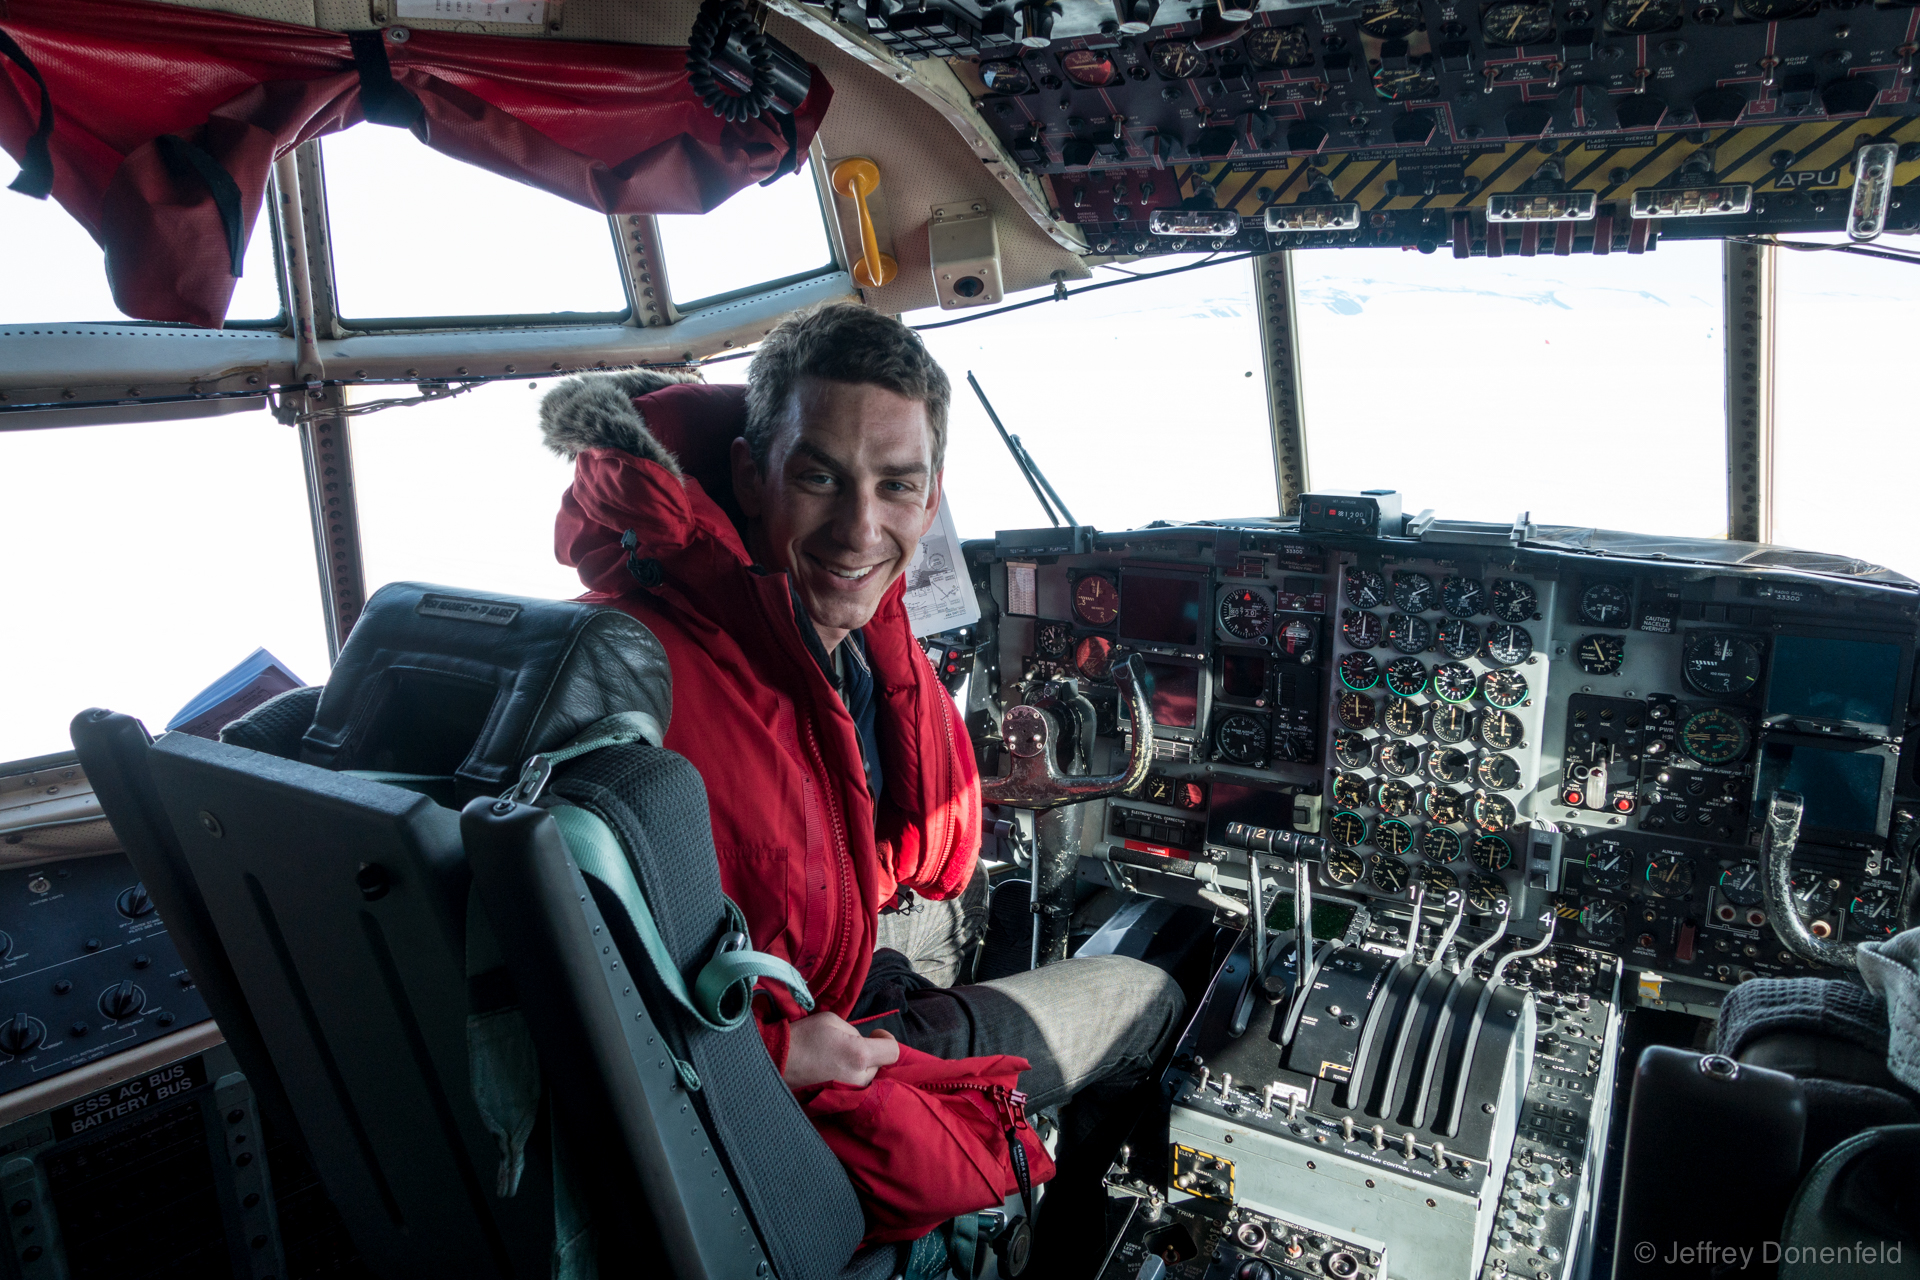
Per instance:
{"type": "Point", "coordinates": [762, 534]}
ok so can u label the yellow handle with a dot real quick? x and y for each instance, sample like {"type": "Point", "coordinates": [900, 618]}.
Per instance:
{"type": "Point", "coordinates": [857, 179]}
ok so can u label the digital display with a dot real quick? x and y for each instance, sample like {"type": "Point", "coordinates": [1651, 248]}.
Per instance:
{"type": "Point", "coordinates": [1243, 675]}
{"type": "Point", "coordinates": [1160, 610]}
{"type": "Point", "coordinates": [1173, 694]}
{"type": "Point", "coordinates": [1841, 788]}
{"type": "Point", "coordinates": [1820, 678]}
{"type": "Point", "coordinates": [1231, 803]}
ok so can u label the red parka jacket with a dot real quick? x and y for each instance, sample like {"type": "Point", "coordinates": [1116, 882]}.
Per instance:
{"type": "Point", "coordinates": [800, 846]}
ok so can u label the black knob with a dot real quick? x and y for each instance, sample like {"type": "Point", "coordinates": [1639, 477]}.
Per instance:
{"type": "Point", "coordinates": [6, 944]}
{"type": "Point", "coordinates": [1253, 1270]}
{"type": "Point", "coordinates": [21, 1034]}
{"type": "Point", "coordinates": [135, 902]}
{"type": "Point", "coordinates": [122, 1001]}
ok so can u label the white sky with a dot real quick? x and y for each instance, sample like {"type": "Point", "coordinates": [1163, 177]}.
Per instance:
{"type": "Point", "coordinates": [147, 560]}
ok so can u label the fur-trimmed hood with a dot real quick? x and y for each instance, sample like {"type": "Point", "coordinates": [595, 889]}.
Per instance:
{"type": "Point", "coordinates": [596, 411]}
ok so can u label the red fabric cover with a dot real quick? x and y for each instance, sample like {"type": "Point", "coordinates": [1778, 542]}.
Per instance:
{"type": "Point", "coordinates": [613, 127]}
{"type": "Point", "coordinates": [799, 846]}
{"type": "Point", "coordinates": [927, 1140]}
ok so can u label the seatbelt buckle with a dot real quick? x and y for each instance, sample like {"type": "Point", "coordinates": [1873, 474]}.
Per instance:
{"type": "Point", "coordinates": [734, 940]}
{"type": "Point", "coordinates": [534, 776]}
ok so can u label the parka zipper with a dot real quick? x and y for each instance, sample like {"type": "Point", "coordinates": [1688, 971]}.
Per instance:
{"type": "Point", "coordinates": [1012, 1104]}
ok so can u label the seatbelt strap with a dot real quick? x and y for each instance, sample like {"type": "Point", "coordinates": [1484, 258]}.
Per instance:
{"type": "Point", "coordinates": [615, 730]}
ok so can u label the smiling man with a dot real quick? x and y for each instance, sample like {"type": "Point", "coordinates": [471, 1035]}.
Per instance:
{"type": "Point", "coordinates": [763, 534]}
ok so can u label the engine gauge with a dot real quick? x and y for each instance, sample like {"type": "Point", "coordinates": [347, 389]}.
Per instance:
{"type": "Point", "coordinates": [1501, 730]}
{"type": "Point", "coordinates": [1497, 772]}
{"type": "Point", "coordinates": [1444, 764]}
{"type": "Point", "coordinates": [1486, 896]}
{"type": "Point", "coordinates": [1295, 639]}
{"type": "Point", "coordinates": [1463, 597]}
{"type": "Point", "coordinates": [1813, 892]}
{"type": "Point", "coordinates": [1158, 789]}
{"type": "Point", "coordinates": [1513, 23]}
{"type": "Point", "coordinates": [1714, 736]}
{"type": "Point", "coordinates": [1491, 853]}
{"type": "Point", "coordinates": [1599, 654]}
{"type": "Point", "coordinates": [1640, 17]}
{"type": "Point", "coordinates": [1408, 633]}
{"type": "Point", "coordinates": [1608, 865]}
{"type": "Point", "coordinates": [1360, 628]}
{"type": "Point", "coordinates": [1442, 844]}
{"type": "Point", "coordinates": [1388, 875]}
{"type": "Point", "coordinates": [1508, 645]}
{"type": "Point", "coordinates": [1090, 67]}
{"type": "Point", "coordinates": [1454, 681]}
{"type": "Point", "coordinates": [1874, 914]}
{"type": "Point", "coordinates": [1286, 47]}
{"type": "Point", "coordinates": [1390, 835]}
{"type": "Point", "coordinates": [1343, 865]}
{"type": "Point", "coordinates": [1775, 10]}
{"type": "Point", "coordinates": [1719, 665]}
{"type": "Point", "coordinates": [1439, 882]}
{"type": "Point", "coordinates": [1490, 814]}
{"type": "Point", "coordinates": [1399, 758]}
{"type": "Point", "coordinates": [1450, 722]}
{"type": "Point", "coordinates": [1513, 600]}
{"type": "Point", "coordinates": [1349, 791]}
{"type": "Point", "coordinates": [1241, 739]}
{"type": "Point", "coordinates": [1356, 710]}
{"type": "Point", "coordinates": [1096, 600]}
{"type": "Point", "coordinates": [1245, 614]}
{"type": "Point", "coordinates": [1406, 84]}
{"type": "Point", "coordinates": [1504, 689]}
{"type": "Point", "coordinates": [1605, 604]}
{"type": "Point", "coordinates": [1414, 592]}
{"type": "Point", "coordinates": [1352, 750]}
{"type": "Point", "coordinates": [1093, 657]}
{"type": "Point", "coordinates": [1406, 677]}
{"type": "Point", "coordinates": [1178, 60]}
{"type": "Point", "coordinates": [1052, 639]}
{"type": "Point", "coordinates": [1740, 885]}
{"type": "Point", "coordinates": [1604, 921]}
{"type": "Point", "coordinates": [1402, 718]}
{"type": "Point", "coordinates": [1365, 588]}
{"type": "Point", "coordinates": [1359, 671]}
{"type": "Point", "coordinates": [1395, 799]}
{"type": "Point", "coordinates": [1444, 805]}
{"type": "Point", "coordinates": [1670, 875]}
{"type": "Point", "coordinates": [1458, 638]}
{"type": "Point", "coordinates": [1391, 19]}
{"type": "Point", "coordinates": [1006, 76]}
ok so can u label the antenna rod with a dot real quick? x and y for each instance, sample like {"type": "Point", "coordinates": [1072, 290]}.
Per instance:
{"type": "Point", "coordinates": [1021, 459]}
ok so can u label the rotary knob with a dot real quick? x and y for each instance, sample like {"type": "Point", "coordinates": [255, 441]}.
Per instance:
{"type": "Point", "coordinates": [21, 1034]}
{"type": "Point", "coordinates": [122, 1001]}
{"type": "Point", "coordinates": [6, 945]}
{"type": "Point", "coordinates": [135, 902]}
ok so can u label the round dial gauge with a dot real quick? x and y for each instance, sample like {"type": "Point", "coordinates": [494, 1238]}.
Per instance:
{"type": "Point", "coordinates": [1356, 710]}
{"type": "Point", "coordinates": [1052, 639]}
{"type": "Point", "coordinates": [1388, 875]}
{"type": "Point", "coordinates": [1497, 772]}
{"type": "Point", "coordinates": [1406, 84]}
{"type": "Point", "coordinates": [1639, 17]}
{"type": "Point", "coordinates": [1390, 835]}
{"type": "Point", "coordinates": [1512, 23]}
{"type": "Point", "coordinates": [1486, 896]}
{"type": "Point", "coordinates": [1439, 881]}
{"type": "Point", "coordinates": [1409, 634]}
{"type": "Point", "coordinates": [1245, 614]}
{"type": "Point", "coordinates": [1402, 718]}
{"type": "Point", "coordinates": [1347, 829]}
{"type": "Point", "coordinates": [1504, 689]}
{"type": "Point", "coordinates": [1600, 655]}
{"type": "Point", "coordinates": [1451, 722]}
{"type": "Point", "coordinates": [1365, 588]}
{"type": "Point", "coordinates": [1491, 853]}
{"type": "Point", "coordinates": [1093, 657]}
{"type": "Point", "coordinates": [1490, 814]}
{"type": "Point", "coordinates": [1360, 628]}
{"type": "Point", "coordinates": [1874, 914]}
{"type": "Point", "coordinates": [1813, 892]}
{"type": "Point", "coordinates": [1714, 736]}
{"type": "Point", "coordinates": [1670, 875]}
{"type": "Point", "coordinates": [1719, 665]}
{"type": "Point", "coordinates": [1279, 47]}
{"type": "Point", "coordinates": [1442, 844]}
{"type": "Point", "coordinates": [1608, 865]}
{"type": "Point", "coordinates": [1774, 10]}
{"type": "Point", "coordinates": [1740, 884]}
{"type": "Point", "coordinates": [1463, 597]}
{"type": "Point", "coordinates": [1344, 865]}
{"type": "Point", "coordinates": [1359, 671]}
{"type": "Point", "coordinates": [1448, 765]}
{"type": "Point", "coordinates": [1414, 592]}
{"type": "Point", "coordinates": [1177, 60]}
{"type": "Point", "coordinates": [1241, 739]}
{"type": "Point", "coordinates": [1406, 677]}
{"type": "Point", "coordinates": [1295, 638]}
{"type": "Point", "coordinates": [1390, 19]}
{"type": "Point", "coordinates": [1457, 638]}
{"type": "Point", "coordinates": [1604, 921]}
{"type": "Point", "coordinates": [1395, 799]}
{"type": "Point", "coordinates": [1454, 682]}
{"type": "Point", "coordinates": [1353, 750]}
{"type": "Point", "coordinates": [1400, 759]}
{"type": "Point", "coordinates": [1158, 789]}
{"type": "Point", "coordinates": [1006, 76]}
{"type": "Point", "coordinates": [1349, 792]}
{"type": "Point", "coordinates": [1090, 67]}
{"type": "Point", "coordinates": [1512, 600]}
{"type": "Point", "coordinates": [1508, 645]}
{"type": "Point", "coordinates": [1501, 730]}
{"type": "Point", "coordinates": [1444, 805]}
{"type": "Point", "coordinates": [1096, 600]}
{"type": "Point", "coordinates": [1605, 604]}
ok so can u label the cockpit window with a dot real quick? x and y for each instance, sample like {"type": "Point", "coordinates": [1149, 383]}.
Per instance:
{"type": "Point", "coordinates": [762, 235]}
{"type": "Point", "coordinates": [417, 235]}
{"type": "Point", "coordinates": [1587, 390]}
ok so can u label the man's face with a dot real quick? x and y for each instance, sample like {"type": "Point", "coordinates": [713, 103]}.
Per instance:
{"type": "Point", "coordinates": [848, 491]}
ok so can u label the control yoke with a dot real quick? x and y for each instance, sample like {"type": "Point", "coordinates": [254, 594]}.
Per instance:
{"type": "Point", "coordinates": [1031, 735]}
{"type": "Point", "coordinates": [1784, 809]}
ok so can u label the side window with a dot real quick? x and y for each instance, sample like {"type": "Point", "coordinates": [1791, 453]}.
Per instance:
{"type": "Point", "coordinates": [761, 236]}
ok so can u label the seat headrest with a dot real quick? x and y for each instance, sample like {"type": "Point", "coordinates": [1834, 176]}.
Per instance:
{"type": "Point", "coordinates": [440, 681]}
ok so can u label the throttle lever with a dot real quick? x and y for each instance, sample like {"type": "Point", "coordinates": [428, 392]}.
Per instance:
{"type": "Point", "coordinates": [1034, 780]}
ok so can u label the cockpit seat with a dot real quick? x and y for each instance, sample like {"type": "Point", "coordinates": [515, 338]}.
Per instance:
{"type": "Point", "coordinates": [490, 1074]}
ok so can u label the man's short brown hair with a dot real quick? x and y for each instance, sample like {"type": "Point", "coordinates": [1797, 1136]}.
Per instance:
{"type": "Point", "coordinates": [842, 342]}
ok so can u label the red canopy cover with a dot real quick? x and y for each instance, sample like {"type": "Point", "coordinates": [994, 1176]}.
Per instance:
{"type": "Point", "coordinates": [166, 122]}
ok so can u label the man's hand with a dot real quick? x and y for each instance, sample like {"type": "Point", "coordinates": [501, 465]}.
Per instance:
{"type": "Point", "coordinates": [823, 1047]}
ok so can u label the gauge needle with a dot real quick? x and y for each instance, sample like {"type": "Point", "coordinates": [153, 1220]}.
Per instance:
{"type": "Point", "coordinates": [1644, 6]}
